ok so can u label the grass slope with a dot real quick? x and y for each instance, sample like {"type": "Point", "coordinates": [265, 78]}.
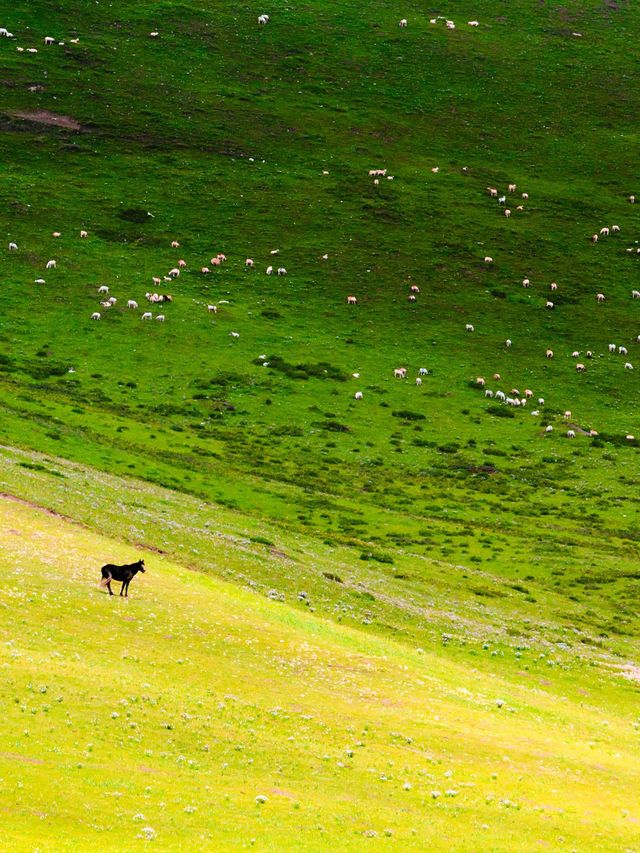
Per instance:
{"type": "Point", "coordinates": [359, 532]}
{"type": "Point", "coordinates": [167, 715]}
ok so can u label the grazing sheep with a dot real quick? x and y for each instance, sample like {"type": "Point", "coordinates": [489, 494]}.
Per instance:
{"type": "Point", "coordinates": [508, 343]}
{"type": "Point", "coordinates": [488, 260]}
{"type": "Point", "coordinates": [13, 247]}
{"type": "Point", "coordinates": [182, 263]}
{"type": "Point", "coordinates": [147, 315]}
{"type": "Point", "coordinates": [488, 392]}
{"type": "Point", "coordinates": [507, 212]}
{"type": "Point", "coordinates": [352, 300]}
{"type": "Point", "coordinates": [403, 23]}
{"type": "Point", "coordinates": [615, 229]}
{"type": "Point", "coordinates": [248, 262]}
{"type": "Point", "coordinates": [630, 437]}
{"type": "Point", "coordinates": [423, 371]}
{"type": "Point", "coordinates": [548, 304]}
{"type": "Point", "coordinates": [412, 297]}
{"type": "Point", "coordinates": [579, 367]}
{"type": "Point", "coordinates": [480, 381]}
{"type": "Point", "coordinates": [589, 354]}
{"type": "Point", "coordinates": [96, 315]}
{"type": "Point", "coordinates": [160, 318]}
{"type": "Point", "coordinates": [567, 415]}
{"type": "Point", "coordinates": [635, 294]}
{"type": "Point", "coordinates": [502, 199]}
{"type": "Point", "coordinates": [131, 303]}
{"type": "Point", "coordinates": [174, 273]}
{"type": "Point", "coordinates": [157, 281]}
{"type": "Point", "coordinates": [418, 380]}
{"type": "Point", "coordinates": [571, 433]}
{"type": "Point", "coordinates": [84, 233]}
{"type": "Point", "coordinates": [282, 271]}
{"type": "Point", "coordinates": [622, 351]}
{"type": "Point", "coordinates": [103, 289]}
{"type": "Point", "coordinates": [469, 328]}
{"type": "Point", "coordinates": [414, 288]}
{"type": "Point", "coordinates": [604, 232]}
{"type": "Point", "coordinates": [358, 395]}
{"type": "Point", "coordinates": [628, 365]}
{"type": "Point", "coordinates": [269, 270]}
{"type": "Point", "coordinates": [400, 372]}
{"type": "Point", "coordinates": [526, 282]}
{"type": "Point", "coordinates": [553, 285]}
{"type": "Point", "coordinates": [541, 401]}
{"type": "Point", "coordinates": [263, 19]}
{"type": "Point", "coordinates": [549, 353]}
{"type": "Point", "coordinates": [549, 428]}
{"type": "Point", "coordinates": [221, 256]}
{"type": "Point", "coordinates": [600, 297]}
{"type": "Point", "coordinates": [500, 395]}
{"type": "Point", "coordinates": [473, 23]}
{"type": "Point", "coordinates": [51, 265]}
{"type": "Point", "coordinates": [632, 199]}
{"type": "Point", "coordinates": [496, 376]}
{"type": "Point", "coordinates": [215, 262]}
{"type": "Point", "coordinates": [575, 354]}
{"type": "Point", "coordinates": [212, 309]}
{"type": "Point", "coordinates": [594, 238]}
{"type": "Point", "coordinates": [512, 188]}
{"type": "Point", "coordinates": [234, 334]}
{"type": "Point", "coordinates": [525, 196]}
{"type": "Point", "coordinates": [492, 192]}
{"type": "Point", "coordinates": [175, 244]}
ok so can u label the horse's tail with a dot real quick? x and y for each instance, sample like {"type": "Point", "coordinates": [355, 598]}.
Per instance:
{"type": "Point", "coordinates": [106, 577]}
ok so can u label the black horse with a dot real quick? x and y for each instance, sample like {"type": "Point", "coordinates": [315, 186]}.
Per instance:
{"type": "Point", "coordinates": [121, 574]}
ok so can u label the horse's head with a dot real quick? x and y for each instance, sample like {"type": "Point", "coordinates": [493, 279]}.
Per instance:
{"type": "Point", "coordinates": [140, 565]}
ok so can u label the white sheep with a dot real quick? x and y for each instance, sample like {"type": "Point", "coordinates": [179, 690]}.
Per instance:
{"type": "Point", "coordinates": [358, 395]}
{"type": "Point", "coordinates": [147, 315]}
{"type": "Point", "coordinates": [51, 265]}
{"type": "Point", "coordinates": [131, 303]}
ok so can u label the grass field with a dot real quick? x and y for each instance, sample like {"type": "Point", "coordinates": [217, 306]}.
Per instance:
{"type": "Point", "coordinates": [167, 717]}
{"type": "Point", "coordinates": [420, 517]}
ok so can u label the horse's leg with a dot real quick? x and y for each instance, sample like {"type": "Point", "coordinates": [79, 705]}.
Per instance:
{"type": "Point", "coordinates": [109, 586]}
{"type": "Point", "coordinates": [126, 589]}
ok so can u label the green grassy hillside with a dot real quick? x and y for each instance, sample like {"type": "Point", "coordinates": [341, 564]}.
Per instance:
{"type": "Point", "coordinates": [200, 716]}
{"type": "Point", "coordinates": [422, 516]}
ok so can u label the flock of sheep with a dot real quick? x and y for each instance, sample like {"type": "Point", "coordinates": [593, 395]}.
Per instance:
{"type": "Point", "coordinates": [513, 399]}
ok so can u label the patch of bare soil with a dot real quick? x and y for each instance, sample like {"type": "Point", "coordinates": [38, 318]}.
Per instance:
{"type": "Point", "coordinates": [24, 759]}
{"type": "Point", "coordinates": [6, 497]}
{"type": "Point", "coordinates": [46, 117]}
